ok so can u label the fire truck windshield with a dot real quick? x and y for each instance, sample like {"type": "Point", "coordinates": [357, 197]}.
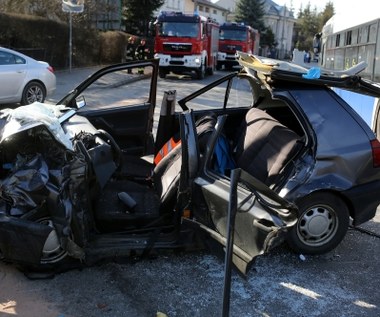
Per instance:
{"type": "Point", "coordinates": [235, 35]}
{"type": "Point", "coordinates": [179, 29]}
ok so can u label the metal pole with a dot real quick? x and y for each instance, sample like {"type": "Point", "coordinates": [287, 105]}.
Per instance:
{"type": "Point", "coordinates": [282, 53]}
{"type": "Point", "coordinates": [232, 210]}
{"type": "Point", "coordinates": [70, 41]}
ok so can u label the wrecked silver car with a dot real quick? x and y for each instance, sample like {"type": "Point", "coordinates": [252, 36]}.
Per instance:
{"type": "Point", "coordinates": [266, 159]}
{"type": "Point", "coordinates": [87, 180]}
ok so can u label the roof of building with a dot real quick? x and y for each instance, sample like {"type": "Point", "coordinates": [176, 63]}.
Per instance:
{"type": "Point", "coordinates": [211, 4]}
{"type": "Point", "coordinates": [270, 7]}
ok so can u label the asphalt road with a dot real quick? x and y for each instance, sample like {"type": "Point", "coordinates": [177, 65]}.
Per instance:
{"type": "Point", "coordinates": [344, 282]}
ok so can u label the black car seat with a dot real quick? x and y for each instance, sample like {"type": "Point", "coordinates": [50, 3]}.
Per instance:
{"type": "Point", "coordinates": [148, 202]}
{"type": "Point", "coordinates": [167, 172]}
{"type": "Point", "coordinates": [265, 147]}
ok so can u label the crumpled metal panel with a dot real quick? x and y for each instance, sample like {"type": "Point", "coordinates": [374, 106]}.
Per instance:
{"type": "Point", "coordinates": [23, 118]}
{"type": "Point", "coordinates": [41, 179]}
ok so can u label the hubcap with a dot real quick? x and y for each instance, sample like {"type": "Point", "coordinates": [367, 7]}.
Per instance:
{"type": "Point", "coordinates": [317, 225]}
{"type": "Point", "coordinates": [33, 94]}
{"type": "Point", "coordinates": [52, 251]}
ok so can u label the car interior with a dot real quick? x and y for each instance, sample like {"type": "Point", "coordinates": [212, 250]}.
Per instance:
{"type": "Point", "coordinates": [116, 191]}
{"type": "Point", "coordinates": [265, 144]}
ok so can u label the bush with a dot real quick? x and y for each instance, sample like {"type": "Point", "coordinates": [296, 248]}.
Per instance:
{"type": "Point", "coordinates": [112, 46]}
{"type": "Point", "coordinates": [48, 40]}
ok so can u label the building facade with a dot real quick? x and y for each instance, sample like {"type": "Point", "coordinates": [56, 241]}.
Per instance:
{"type": "Point", "coordinates": [173, 5]}
{"type": "Point", "coordinates": [281, 21]}
{"type": "Point", "coordinates": [209, 9]}
{"type": "Point", "coordinates": [107, 15]}
{"type": "Point", "coordinates": [203, 7]}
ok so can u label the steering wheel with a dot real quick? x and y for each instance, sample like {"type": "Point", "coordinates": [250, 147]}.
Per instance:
{"type": "Point", "coordinates": [117, 153]}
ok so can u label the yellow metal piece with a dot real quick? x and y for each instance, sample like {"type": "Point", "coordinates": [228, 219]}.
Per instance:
{"type": "Point", "coordinates": [263, 65]}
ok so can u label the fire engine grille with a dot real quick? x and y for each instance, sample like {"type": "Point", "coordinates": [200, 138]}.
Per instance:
{"type": "Point", "coordinates": [177, 47]}
{"type": "Point", "coordinates": [176, 63]}
{"type": "Point", "coordinates": [231, 48]}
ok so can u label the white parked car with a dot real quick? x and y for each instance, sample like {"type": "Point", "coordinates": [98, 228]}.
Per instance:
{"type": "Point", "coordinates": [23, 79]}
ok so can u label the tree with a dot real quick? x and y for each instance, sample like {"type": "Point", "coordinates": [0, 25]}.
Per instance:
{"type": "Point", "coordinates": [251, 12]}
{"type": "Point", "coordinates": [267, 38]}
{"type": "Point", "coordinates": [138, 13]}
{"type": "Point", "coordinates": [326, 14]}
{"type": "Point", "coordinates": [309, 23]}
{"type": "Point", "coordinates": [306, 27]}
{"type": "Point", "coordinates": [53, 10]}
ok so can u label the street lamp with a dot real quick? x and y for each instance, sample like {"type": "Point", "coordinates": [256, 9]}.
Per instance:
{"type": "Point", "coordinates": [72, 6]}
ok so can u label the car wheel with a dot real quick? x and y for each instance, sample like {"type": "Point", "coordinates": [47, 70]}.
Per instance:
{"type": "Point", "coordinates": [52, 251]}
{"type": "Point", "coordinates": [33, 91]}
{"type": "Point", "coordinates": [322, 224]}
{"type": "Point", "coordinates": [53, 259]}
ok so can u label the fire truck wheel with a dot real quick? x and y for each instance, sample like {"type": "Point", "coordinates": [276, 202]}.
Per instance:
{"type": "Point", "coordinates": [162, 73]}
{"type": "Point", "coordinates": [210, 70]}
{"type": "Point", "coordinates": [201, 71]}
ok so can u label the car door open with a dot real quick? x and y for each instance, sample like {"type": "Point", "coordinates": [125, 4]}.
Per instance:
{"type": "Point", "coordinates": [262, 216]}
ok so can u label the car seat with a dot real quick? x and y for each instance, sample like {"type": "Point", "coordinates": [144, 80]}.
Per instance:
{"type": "Point", "coordinates": [265, 147]}
{"type": "Point", "coordinates": [149, 200]}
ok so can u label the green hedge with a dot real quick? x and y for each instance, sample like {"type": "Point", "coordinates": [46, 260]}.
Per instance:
{"type": "Point", "coordinates": [49, 41]}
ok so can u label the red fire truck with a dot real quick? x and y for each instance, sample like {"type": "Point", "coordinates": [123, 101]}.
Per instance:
{"type": "Point", "coordinates": [236, 37]}
{"type": "Point", "coordinates": [186, 43]}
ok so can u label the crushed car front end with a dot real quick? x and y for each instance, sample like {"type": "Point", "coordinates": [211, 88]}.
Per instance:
{"type": "Point", "coordinates": [44, 188]}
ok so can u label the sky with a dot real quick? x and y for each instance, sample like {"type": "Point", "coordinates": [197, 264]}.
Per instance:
{"type": "Point", "coordinates": [341, 6]}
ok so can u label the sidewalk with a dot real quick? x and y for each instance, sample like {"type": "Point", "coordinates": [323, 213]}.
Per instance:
{"type": "Point", "coordinates": [68, 80]}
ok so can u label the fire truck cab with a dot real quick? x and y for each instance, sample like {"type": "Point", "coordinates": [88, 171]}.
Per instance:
{"type": "Point", "coordinates": [186, 43]}
{"type": "Point", "coordinates": [235, 37]}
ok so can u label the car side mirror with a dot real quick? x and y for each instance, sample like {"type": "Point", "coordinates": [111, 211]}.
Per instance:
{"type": "Point", "coordinates": [80, 102]}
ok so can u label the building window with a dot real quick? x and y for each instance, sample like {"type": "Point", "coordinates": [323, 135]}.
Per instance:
{"type": "Point", "coordinates": [207, 10]}
{"type": "Point", "coordinates": [215, 12]}
{"type": "Point", "coordinates": [364, 34]}
{"type": "Point", "coordinates": [348, 38]}
{"type": "Point", "coordinates": [337, 40]}
{"type": "Point", "coordinates": [372, 32]}
{"type": "Point", "coordinates": [201, 8]}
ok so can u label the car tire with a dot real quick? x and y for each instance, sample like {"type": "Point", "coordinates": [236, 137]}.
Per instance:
{"type": "Point", "coordinates": [322, 224]}
{"type": "Point", "coordinates": [54, 257]}
{"type": "Point", "coordinates": [52, 252]}
{"type": "Point", "coordinates": [33, 91]}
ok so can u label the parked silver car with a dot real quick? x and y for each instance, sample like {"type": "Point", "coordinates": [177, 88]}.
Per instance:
{"type": "Point", "coordinates": [23, 79]}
